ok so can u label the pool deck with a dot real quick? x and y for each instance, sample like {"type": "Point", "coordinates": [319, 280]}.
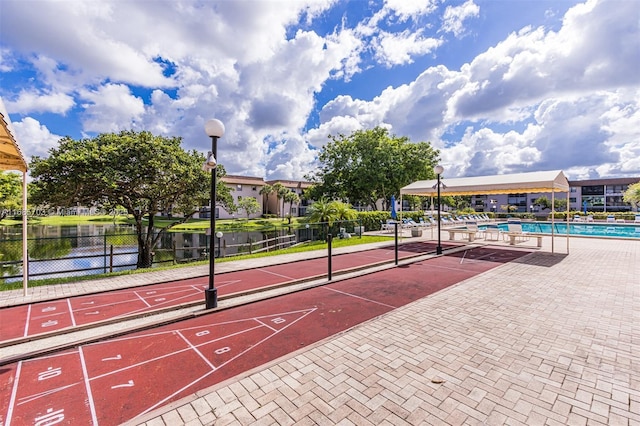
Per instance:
{"type": "Point", "coordinates": [550, 339]}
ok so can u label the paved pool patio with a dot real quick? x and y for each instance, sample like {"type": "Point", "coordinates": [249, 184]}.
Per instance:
{"type": "Point", "coordinates": [551, 339]}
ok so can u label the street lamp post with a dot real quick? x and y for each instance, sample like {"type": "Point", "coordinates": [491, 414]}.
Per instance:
{"type": "Point", "coordinates": [214, 129]}
{"type": "Point", "coordinates": [219, 235]}
{"type": "Point", "coordinates": [438, 171]}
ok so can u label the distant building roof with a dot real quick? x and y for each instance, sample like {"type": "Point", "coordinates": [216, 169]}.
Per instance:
{"type": "Point", "coordinates": [291, 183]}
{"type": "Point", "coordinates": [243, 180]}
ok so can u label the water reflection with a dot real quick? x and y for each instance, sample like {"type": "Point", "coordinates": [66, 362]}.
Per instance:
{"type": "Point", "coordinates": [63, 251]}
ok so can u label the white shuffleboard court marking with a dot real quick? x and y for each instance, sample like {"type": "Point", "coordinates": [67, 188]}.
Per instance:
{"type": "Point", "coordinates": [197, 351]}
{"type": "Point", "coordinates": [169, 354]}
{"type": "Point", "coordinates": [142, 298]}
{"type": "Point", "coordinates": [360, 297]}
{"type": "Point", "coordinates": [73, 318]}
{"type": "Point", "coordinates": [14, 392]}
{"type": "Point", "coordinates": [28, 320]}
{"type": "Point", "coordinates": [275, 273]}
{"type": "Point", "coordinates": [226, 283]}
{"type": "Point", "coordinates": [160, 403]}
{"type": "Point", "coordinates": [30, 398]}
{"type": "Point", "coordinates": [129, 384]}
{"type": "Point", "coordinates": [113, 358]}
{"type": "Point", "coordinates": [487, 255]}
{"type": "Point", "coordinates": [92, 406]}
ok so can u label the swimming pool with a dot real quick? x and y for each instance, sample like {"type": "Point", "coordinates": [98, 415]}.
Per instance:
{"type": "Point", "coordinates": [599, 230]}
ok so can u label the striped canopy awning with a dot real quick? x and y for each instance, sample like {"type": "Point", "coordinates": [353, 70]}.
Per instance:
{"type": "Point", "coordinates": [10, 156]}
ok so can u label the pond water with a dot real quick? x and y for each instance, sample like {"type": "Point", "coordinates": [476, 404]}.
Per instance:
{"type": "Point", "coordinates": [57, 251]}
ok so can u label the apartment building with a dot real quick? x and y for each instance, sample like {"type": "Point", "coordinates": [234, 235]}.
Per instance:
{"type": "Point", "coordinates": [242, 187]}
{"type": "Point", "coordinates": [594, 195]}
{"type": "Point", "coordinates": [249, 186]}
{"type": "Point", "coordinates": [274, 206]}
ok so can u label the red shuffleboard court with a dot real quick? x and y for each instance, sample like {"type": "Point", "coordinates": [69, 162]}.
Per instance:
{"type": "Point", "coordinates": [19, 322]}
{"type": "Point", "coordinates": [117, 380]}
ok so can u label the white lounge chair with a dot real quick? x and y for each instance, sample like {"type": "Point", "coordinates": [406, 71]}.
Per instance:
{"type": "Point", "coordinates": [492, 232]}
{"type": "Point", "coordinates": [611, 219]}
{"type": "Point", "coordinates": [387, 226]}
{"type": "Point", "coordinates": [515, 232]}
{"type": "Point", "coordinates": [637, 219]}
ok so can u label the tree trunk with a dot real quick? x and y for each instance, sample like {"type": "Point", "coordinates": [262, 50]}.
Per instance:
{"type": "Point", "coordinates": [145, 242]}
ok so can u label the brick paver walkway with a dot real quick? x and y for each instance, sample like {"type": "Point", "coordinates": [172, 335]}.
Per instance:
{"type": "Point", "coordinates": [547, 340]}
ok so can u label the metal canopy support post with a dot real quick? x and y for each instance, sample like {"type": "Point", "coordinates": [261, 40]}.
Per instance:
{"type": "Point", "coordinates": [395, 227]}
{"type": "Point", "coordinates": [553, 219]}
{"type": "Point", "coordinates": [25, 251]}
{"type": "Point", "coordinates": [568, 193]}
{"type": "Point", "coordinates": [329, 266]}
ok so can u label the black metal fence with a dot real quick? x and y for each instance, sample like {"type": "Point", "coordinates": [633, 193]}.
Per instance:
{"type": "Point", "coordinates": [76, 255]}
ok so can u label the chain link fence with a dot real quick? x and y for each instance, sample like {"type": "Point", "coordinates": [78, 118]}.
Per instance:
{"type": "Point", "coordinates": [77, 255]}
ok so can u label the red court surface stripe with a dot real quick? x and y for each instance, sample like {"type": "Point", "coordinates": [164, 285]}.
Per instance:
{"type": "Point", "coordinates": [94, 308]}
{"type": "Point", "coordinates": [129, 376]}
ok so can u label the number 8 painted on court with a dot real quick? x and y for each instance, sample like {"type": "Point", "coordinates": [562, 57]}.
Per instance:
{"type": "Point", "coordinates": [222, 350]}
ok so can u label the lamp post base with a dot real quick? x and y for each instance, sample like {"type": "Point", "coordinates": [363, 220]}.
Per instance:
{"type": "Point", "coordinates": [438, 250]}
{"type": "Point", "coordinates": [211, 298]}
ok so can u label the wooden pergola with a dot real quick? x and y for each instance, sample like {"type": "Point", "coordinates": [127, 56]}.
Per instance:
{"type": "Point", "coordinates": [11, 158]}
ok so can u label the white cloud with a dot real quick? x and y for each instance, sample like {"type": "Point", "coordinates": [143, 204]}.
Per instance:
{"type": "Point", "coordinates": [399, 48]}
{"type": "Point", "coordinates": [57, 103]}
{"type": "Point", "coordinates": [34, 138]}
{"type": "Point", "coordinates": [586, 54]}
{"type": "Point", "coordinates": [454, 17]}
{"type": "Point", "coordinates": [410, 9]}
{"type": "Point", "coordinates": [111, 108]}
{"type": "Point", "coordinates": [289, 159]}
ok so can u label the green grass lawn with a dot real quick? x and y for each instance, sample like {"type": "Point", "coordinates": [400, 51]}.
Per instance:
{"type": "Point", "coordinates": [69, 220]}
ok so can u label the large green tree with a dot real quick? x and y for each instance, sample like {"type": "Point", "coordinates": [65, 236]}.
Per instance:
{"type": "Point", "coordinates": [370, 165]}
{"type": "Point", "coordinates": [10, 194]}
{"type": "Point", "coordinates": [250, 206]}
{"type": "Point", "coordinates": [632, 195]}
{"type": "Point", "coordinates": [143, 173]}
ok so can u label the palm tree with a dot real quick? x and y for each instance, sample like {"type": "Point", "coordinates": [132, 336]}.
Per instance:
{"type": "Point", "coordinates": [280, 191]}
{"type": "Point", "coordinates": [322, 211]}
{"type": "Point", "coordinates": [291, 197]}
{"type": "Point", "coordinates": [265, 191]}
{"type": "Point", "coordinates": [343, 211]}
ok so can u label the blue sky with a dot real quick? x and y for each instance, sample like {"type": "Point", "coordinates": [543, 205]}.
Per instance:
{"type": "Point", "coordinates": [499, 86]}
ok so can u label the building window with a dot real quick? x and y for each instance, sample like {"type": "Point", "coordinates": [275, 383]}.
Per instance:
{"type": "Point", "coordinates": [594, 201]}
{"type": "Point", "coordinates": [593, 190]}
{"type": "Point", "coordinates": [254, 188]}
{"type": "Point", "coordinates": [239, 187]}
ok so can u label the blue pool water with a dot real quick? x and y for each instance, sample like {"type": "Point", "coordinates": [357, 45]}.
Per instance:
{"type": "Point", "coordinates": [581, 229]}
